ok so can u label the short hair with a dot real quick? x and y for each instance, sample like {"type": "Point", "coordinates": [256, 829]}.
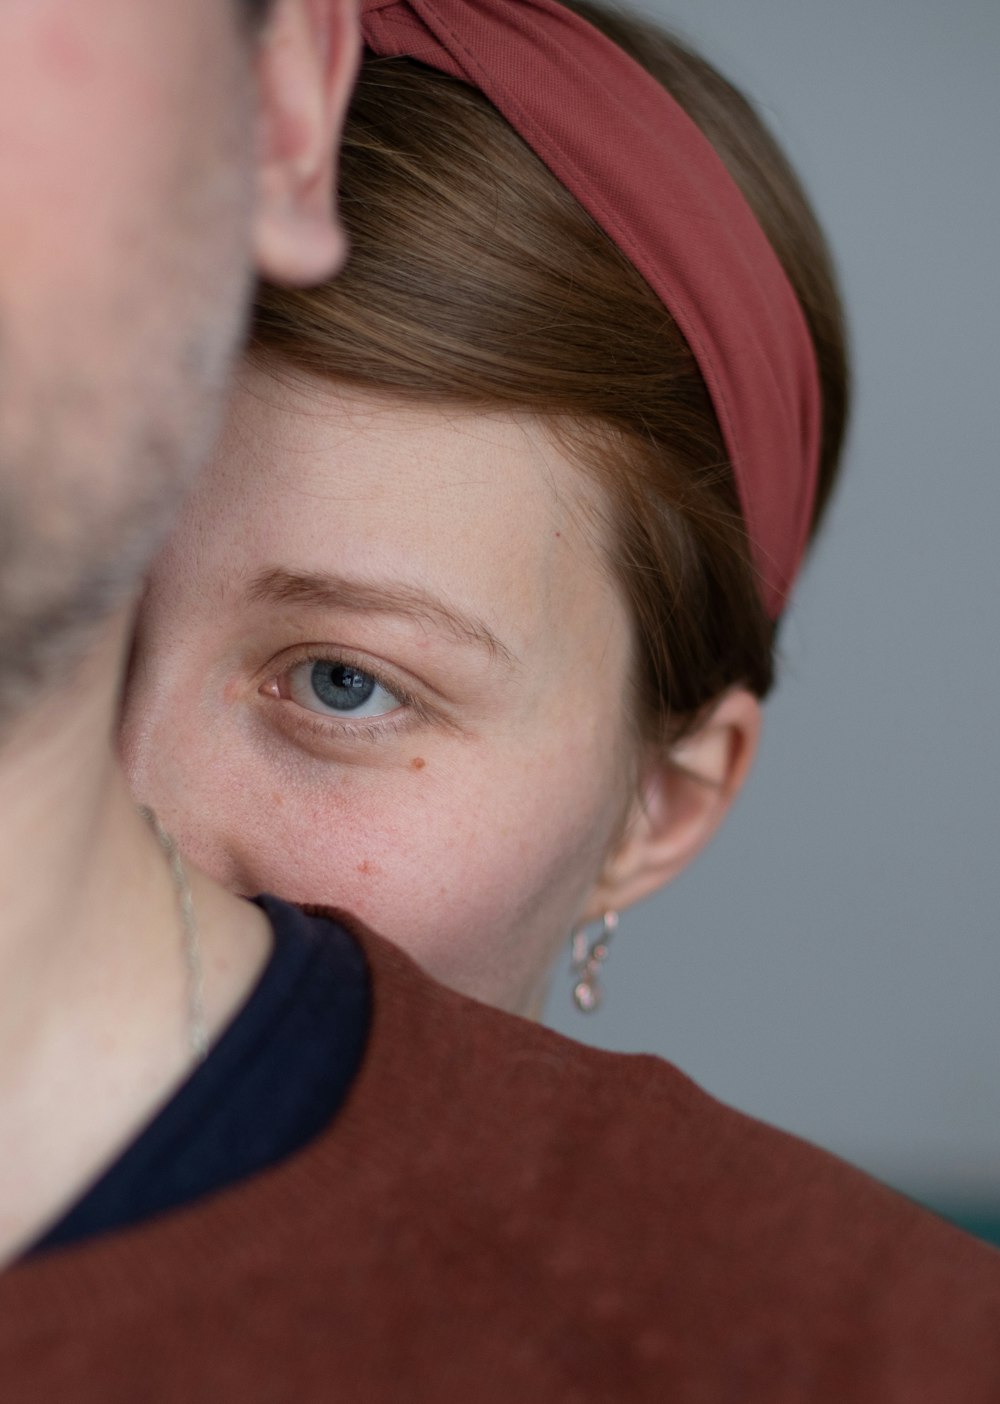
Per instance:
{"type": "Point", "coordinates": [476, 277]}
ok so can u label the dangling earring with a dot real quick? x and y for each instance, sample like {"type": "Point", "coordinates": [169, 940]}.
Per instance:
{"type": "Point", "coordinates": [587, 962]}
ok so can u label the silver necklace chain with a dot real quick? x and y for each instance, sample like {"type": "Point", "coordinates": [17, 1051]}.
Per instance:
{"type": "Point", "coordinates": [197, 1023]}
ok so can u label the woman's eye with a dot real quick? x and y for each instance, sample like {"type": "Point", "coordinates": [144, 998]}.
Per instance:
{"type": "Point", "coordinates": [338, 689]}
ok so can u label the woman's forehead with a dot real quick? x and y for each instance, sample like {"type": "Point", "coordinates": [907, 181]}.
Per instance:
{"type": "Point", "coordinates": [485, 507]}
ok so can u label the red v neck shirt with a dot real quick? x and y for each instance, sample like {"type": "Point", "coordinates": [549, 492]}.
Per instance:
{"type": "Point", "coordinates": [497, 1215]}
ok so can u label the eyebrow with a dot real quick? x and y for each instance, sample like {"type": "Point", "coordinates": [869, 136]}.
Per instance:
{"type": "Point", "coordinates": [323, 591]}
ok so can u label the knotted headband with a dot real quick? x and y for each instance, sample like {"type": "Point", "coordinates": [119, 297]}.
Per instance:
{"type": "Point", "coordinates": [632, 157]}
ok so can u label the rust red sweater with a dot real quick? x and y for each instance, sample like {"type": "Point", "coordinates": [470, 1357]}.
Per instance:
{"type": "Point", "coordinates": [500, 1216]}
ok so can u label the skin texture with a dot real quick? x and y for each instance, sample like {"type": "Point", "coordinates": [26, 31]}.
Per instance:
{"type": "Point", "coordinates": [135, 205]}
{"type": "Point", "coordinates": [153, 159]}
{"type": "Point", "coordinates": [94, 440]}
{"type": "Point", "coordinates": [493, 803]}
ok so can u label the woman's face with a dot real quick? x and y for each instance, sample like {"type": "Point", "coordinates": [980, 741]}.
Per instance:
{"type": "Point", "coordinates": [381, 666]}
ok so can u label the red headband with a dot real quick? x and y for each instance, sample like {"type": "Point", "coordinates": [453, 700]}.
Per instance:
{"type": "Point", "coordinates": [637, 163]}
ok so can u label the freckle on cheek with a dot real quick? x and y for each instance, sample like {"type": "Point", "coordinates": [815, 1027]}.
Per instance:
{"type": "Point", "coordinates": [367, 868]}
{"type": "Point", "coordinates": [278, 799]}
{"type": "Point", "coordinates": [417, 763]}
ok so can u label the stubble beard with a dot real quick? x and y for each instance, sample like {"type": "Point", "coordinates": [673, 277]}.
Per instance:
{"type": "Point", "coordinates": [100, 440]}
{"type": "Point", "coordinates": [79, 524]}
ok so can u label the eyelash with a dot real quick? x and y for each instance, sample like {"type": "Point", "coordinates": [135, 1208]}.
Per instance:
{"type": "Point", "coordinates": [411, 709]}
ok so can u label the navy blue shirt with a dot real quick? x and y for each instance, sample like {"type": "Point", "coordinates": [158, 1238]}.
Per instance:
{"type": "Point", "coordinates": [275, 1078]}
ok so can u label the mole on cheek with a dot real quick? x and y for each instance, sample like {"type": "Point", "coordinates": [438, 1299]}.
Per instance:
{"type": "Point", "coordinates": [417, 763]}
{"type": "Point", "coordinates": [278, 799]}
{"type": "Point", "coordinates": [366, 868]}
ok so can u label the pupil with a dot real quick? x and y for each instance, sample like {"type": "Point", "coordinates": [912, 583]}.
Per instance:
{"type": "Point", "coordinates": [339, 685]}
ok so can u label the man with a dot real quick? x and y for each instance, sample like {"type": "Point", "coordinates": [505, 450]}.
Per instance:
{"type": "Point", "coordinates": [153, 158]}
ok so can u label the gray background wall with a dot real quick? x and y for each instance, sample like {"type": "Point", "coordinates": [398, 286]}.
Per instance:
{"type": "Point", "coordinates": [833, 964]}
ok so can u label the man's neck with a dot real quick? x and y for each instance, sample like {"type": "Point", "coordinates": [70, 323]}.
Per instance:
{"type": "Point", "coordinates": [93, 990]}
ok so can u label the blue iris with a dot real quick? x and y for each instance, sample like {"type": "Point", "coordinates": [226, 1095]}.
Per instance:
{"type": "Point", "coordinates": [339, 686]}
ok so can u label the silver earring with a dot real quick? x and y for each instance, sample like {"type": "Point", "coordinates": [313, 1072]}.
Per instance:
{"type": "Point", "coordinates": [587, 962]}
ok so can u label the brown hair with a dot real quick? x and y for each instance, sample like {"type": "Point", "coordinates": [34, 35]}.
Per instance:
{"type": "Point", "coordinates": [475, 277]}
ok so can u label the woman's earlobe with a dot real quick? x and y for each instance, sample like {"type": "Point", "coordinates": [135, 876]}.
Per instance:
{"type": "Point", "coordinates": [307, 62]}
{"type": "Point", "coordinates": [682, 798]}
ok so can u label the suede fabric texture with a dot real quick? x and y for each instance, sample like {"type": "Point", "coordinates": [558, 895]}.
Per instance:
{"type": "Point", "coordinates": [499, 1214]}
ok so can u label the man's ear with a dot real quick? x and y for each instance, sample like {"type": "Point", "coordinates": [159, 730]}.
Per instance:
{"type": "Point", "coordinates": [307, 61]}
{"type": "Point", "coordinates": [683, 797]}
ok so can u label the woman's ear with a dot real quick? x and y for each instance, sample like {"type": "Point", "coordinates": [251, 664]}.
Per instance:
{"type": "Point", "coordinates": [307, 61]}
{"type": "Point", "coordinates": [682, 798]}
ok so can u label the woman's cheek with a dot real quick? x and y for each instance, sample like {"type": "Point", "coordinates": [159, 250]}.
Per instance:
{"type": "Point", "coordinates": [475, 873]}
{"type": "Point", "coordinates": [414, 859]}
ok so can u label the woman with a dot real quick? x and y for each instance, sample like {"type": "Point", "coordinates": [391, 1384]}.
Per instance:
{"type": "Point", "coordinates": [465, 632]}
